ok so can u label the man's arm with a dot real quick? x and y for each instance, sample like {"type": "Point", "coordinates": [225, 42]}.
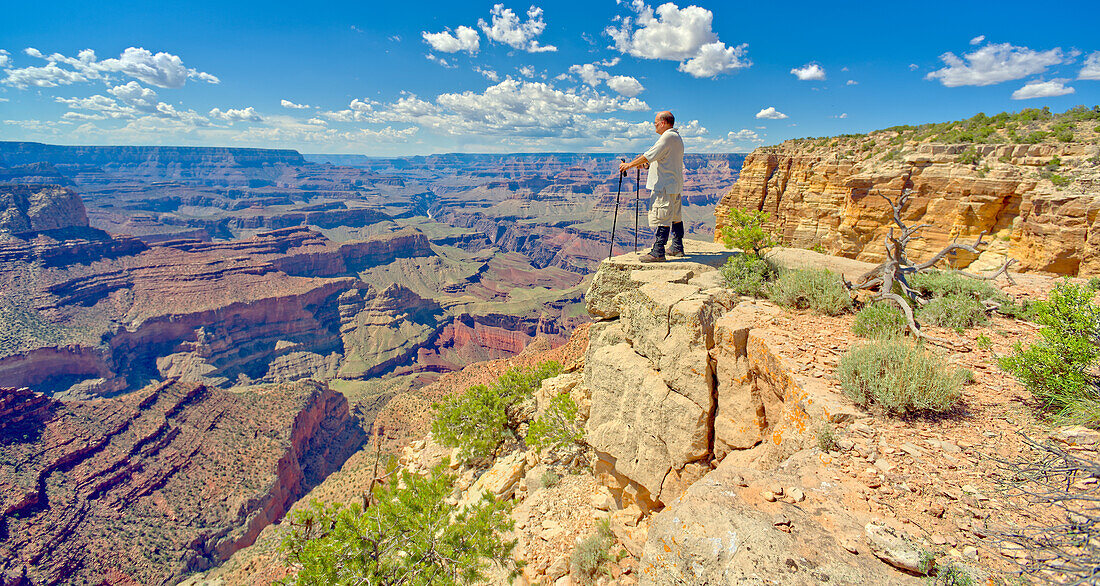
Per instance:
{"type": "Point", "coordinates": [638, 162]}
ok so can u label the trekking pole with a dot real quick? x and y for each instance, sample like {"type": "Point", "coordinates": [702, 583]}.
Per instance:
{"type": "Point", "coordinates": [637, 201]}
{"type": "Point", "coordinates": [616, 220]}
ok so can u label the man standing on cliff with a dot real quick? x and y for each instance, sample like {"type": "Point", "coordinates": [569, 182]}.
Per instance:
{"type": "Point", "coordinates": [665, 182]}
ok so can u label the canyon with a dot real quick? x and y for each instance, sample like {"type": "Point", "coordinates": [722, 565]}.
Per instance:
{"type": "Point", "coordinates": [194, 341]}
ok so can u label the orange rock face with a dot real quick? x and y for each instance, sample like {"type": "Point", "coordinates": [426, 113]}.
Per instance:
{"type": "Point", "coordinates": [829, 197]}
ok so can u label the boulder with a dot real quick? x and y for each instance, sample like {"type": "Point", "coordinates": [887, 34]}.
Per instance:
{"type": "Point", "coordinates": [637, 422]}
{"type": "Point", "coordinates": [499, 481]}
{"type": "Point", "coordinates": [719, 532]}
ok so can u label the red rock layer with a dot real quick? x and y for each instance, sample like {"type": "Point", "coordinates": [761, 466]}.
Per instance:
{"type": "Point", "coordinates": [160, 482]}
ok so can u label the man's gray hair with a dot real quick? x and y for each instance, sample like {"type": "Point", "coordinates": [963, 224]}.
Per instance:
{"type": "Point", "coordinates": [667, 118]}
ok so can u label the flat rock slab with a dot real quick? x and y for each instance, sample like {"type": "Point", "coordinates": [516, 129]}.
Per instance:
{"type": "Point", "coordinates": [625, 272]}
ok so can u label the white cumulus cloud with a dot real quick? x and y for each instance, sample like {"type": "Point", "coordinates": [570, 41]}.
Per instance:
{"type": "Point", "coordinates": [488, 73]}
{"type": "Point", "coordinates": [994, 64]}
{"type": "Point", "coordinates": [809, 72]}
{"type": "Point", "coordinates": [1043, 89]}
{"type": "Point", "coordinates": [237, 115]}
{"type": "Point", "coordinates": [770, 113]}
{"type": "Point", "coordinates": [135, 95]}
{"type": "Point", "coordinates": [625, 85]}
{"type": "Point", "coordinates": [1091, 70]}
{"type": "Point", "coordinates": [159, 69]}
{"type": "Point", "coordinates": [590, 73]}
{"type": "Point", "coordinates": [977, 40]}
{"type": "Point", "coordinates": [464, 38]}
{"type": "Point", "coordinates": [851, 82]}
{"type": "Point", "coordinates": [5, 58]}
{"type": "Point", "coordinates": [674, 34]}
{"type": "Point", "coordinates": [293, 106]}
{"type": "Point", "coordinates": [507, 29]}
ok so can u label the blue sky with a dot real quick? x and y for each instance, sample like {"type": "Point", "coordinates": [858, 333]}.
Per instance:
{"type": "Point", "coordinates": [422, 77]}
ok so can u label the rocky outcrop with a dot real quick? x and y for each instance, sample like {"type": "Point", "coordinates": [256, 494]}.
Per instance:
{"type": "Point", "coordinates": [829, 197]}
{"type": "Point", "coordinates": [178, 475]}
{"type": "Point", "coordinates": [680, 380]}
{"type": "Point", "coordinates": [40, 208]}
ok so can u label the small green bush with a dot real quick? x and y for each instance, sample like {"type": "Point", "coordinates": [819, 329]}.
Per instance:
{"type": "Point", "coordinates": [748, 274]}
{"type": "Point", "coordinates": [957, 310]}
{"type": "Point", "coordinates": [549, 479]}
{"type": "Point", "coordinates": [879, 320]}
{"type": "Point", "coordinates": [900, 377]}
{"type": "Point", "coordinates": [1094, 283]}
{"type": "Point", "coordinates": [409, 535]}
{"type": "Point", "coordinates": [1059, 180]}
{"type": "Point", "coordinates": [746, 231]}
{"type": "Point", "coordinates": [557, 428]}
{"type": "Point", "coordinates": [1058, 369]}
{"type": "Point", "coordinates": [477, 420]}
{"type": "Point", "coordinates": [942, 283]}
{"type": "Point", "coordinates": [826, 438]}
{"type": "Point", "coordinates": [969, 156]}
{"type": "Point", "coordinates": [818, 290]}
{"type": "Point", "coordinates": [592, 553]}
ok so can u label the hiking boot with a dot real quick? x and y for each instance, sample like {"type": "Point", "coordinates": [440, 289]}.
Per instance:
{"type": "Point", "coordinates": [676, 247]}
{"type": "Point", "coordinates": [657, 253]}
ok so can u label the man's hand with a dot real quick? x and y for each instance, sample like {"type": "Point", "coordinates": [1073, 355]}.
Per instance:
{"type": "Point", "coordinates": [641, 161]}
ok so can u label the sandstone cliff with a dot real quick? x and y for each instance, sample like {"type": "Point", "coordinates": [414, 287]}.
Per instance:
{"type": "Point", "coordinates": [161, 482]}
{"type": "Point", "coordinates": [1037, 203]}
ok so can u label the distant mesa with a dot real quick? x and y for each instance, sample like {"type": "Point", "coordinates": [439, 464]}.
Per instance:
{"type": "Point", "coordinates": [27, 209]}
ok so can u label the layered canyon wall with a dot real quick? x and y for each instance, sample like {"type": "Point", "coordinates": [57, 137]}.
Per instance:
{"type": "Point", "coordinates": [158, 483]}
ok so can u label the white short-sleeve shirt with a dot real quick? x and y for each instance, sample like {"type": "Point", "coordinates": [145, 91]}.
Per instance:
{"type": "Point", "coordinates": [666, 163]}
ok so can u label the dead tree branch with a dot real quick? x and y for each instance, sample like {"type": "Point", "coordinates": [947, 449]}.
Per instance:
{"type": "Point", "coordinates": [890, 276]}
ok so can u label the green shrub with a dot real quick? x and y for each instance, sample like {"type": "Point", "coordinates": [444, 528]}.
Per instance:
{"type": "Point", "coordinates": [818, 290]}
{"type": "Point", "coordinates": [746, 231]}
{"type": "Point", "coordinates": [748, 274]}
{"type": "Point", "coordinates": [477, 421]}
{"type": "Point", "coordinates": [942, 283]}
{"type": "Point", "coordinates": [592, 553]}
{"type": "Point", "coordinates": [969, 157]}
{"type": "Point", "coordinates": [957, 310]}
{"type": "Point", "coordinates": [557, 428]}
{"type": "Point", "coordinates": [1059, 180]}
{"type": "Point", "coordinates": [826, 438]}
{"type": "Point", "coordinates": [409, 535]}
{"type": "Point", "coordinates": [879, 320]}
{"type": "Point", "coordinates": [1094, 283]}
{"type": "Point", "coordinates": [1058, 369]}
{"type": "Point", "coordinates": [900, 377]}
{"type": "Point", "coordinates": [549, 479]}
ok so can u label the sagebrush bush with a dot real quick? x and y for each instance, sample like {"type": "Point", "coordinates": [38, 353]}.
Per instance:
{"type": "Point", "coordinates": [748, 274]}
{"type": "Point", "coordinates": [557, 429]}
{"type": "Point", "coordinates": [818, 290]}
{"type": "Point", "coordinates": [1059, 369]}
{"type": "Point", "coordinates": [943, 283]}
{"type": "Point", "coordinates": [477, 420]}
{"type": "Point", "coordinates": [410, 534]}
{"type": "Point", "coordinates": [957, 310]}
{"type": "Point", "coordinates": [879, 320]}
{"type": "Point", "coordinates": [592, 553]}
{"type": "Point", "coordinates": [900, 377]}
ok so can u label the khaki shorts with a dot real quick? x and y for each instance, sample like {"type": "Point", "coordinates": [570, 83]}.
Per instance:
{"type": "Point", "coordinates": [664, 210]}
